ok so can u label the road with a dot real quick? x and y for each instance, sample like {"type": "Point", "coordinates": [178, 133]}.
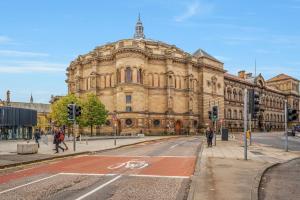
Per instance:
{"type": "Point", "coordinates": [151, 170]}
{"type": "Point", "coordinates": [281, 182]}
{"type": "Point", "coordinates": [276, 140]}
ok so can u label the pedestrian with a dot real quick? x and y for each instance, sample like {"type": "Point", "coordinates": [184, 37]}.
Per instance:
{"type": "Point", "coordinates": [62, 138]}
{"type": "Point", "coordinates": [209, 136]}
{"type": "Point", "coordinates": [57, 141]}
{"type": "Point", "coordinates": [37, 137]}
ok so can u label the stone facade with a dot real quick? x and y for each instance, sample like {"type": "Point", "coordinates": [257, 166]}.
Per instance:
{"type": "Point", "coordinates": [154, 87]}
{"type": "Point", "coordinates": [273, 94]}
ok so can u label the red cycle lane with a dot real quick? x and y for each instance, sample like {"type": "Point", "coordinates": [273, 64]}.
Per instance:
{"type": "Point", "coordinates": [156, 166]}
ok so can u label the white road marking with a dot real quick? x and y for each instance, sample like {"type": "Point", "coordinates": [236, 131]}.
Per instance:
{"type": "Point", "coordinates": [174, 146]}
{"type": "Point", "coordinates": [98, 188]}
{"type": "Point", "coordinates": [131, 164]}
{"type": "Point", "coordinates": [28, 183]}
{"type": "Point", "coordinates": [86, 174]}
{"type": "Point", "coordinates": [158, 176]}
{"type": "Point", "coordinates": [126, 156]}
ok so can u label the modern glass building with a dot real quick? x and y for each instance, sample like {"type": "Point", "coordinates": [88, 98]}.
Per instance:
{"type": "Point", "coordinates": [17, 123]}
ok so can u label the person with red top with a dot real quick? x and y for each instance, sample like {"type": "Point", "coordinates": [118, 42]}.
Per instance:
{"type": "Point", "coordinates": [62, 138]}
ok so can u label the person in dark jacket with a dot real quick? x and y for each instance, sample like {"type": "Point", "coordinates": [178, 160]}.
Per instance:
{"type": "Point", "coordinates": [209, 136]}
{"type": "Point", "coordinates": [37, 136]}
{"type": "Point", "coordinates": [57, 141]}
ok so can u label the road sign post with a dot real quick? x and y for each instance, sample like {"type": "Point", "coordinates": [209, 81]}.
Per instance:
{"type": "Point", "coordinates": [286, 147]}
{"type": "Point", "coordinates": [114, 116]}
{"type": "Point", "coordinates": [245, 122]}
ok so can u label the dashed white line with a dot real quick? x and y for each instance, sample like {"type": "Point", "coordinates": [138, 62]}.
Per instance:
{"type": "Point", "coordinates": [98, 188]}
{"type": "Point", "coordinates": [158, 176]}
{"type": "Point", "coordinates": [28, 183]}
{"type": "Point", "coordinates": [86, 174]}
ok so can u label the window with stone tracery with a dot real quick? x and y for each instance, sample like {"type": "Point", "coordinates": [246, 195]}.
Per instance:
{"type": "Point", "coordinates": [128, 75]}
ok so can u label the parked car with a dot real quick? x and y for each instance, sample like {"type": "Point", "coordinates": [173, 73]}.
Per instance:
{"type": "Point", "coordinates": [297, 128]}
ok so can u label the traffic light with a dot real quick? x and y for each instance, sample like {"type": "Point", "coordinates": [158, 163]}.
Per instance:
{"type": "Point", "coordinates": [254, 100]}
{"type": "Point", "coordinates": [77, 111]}
{"type": "Point", "coordinates": [71, 112]}
{"type": "Point", "coordinates": [215, 113]}
{"type": "Point", "coordinates": [210, 115]}
{"type": "Point", "coordinates": [292, 115]}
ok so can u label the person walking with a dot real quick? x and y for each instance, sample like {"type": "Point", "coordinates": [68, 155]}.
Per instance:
{"type": "Point", "coordinates": [57, 141]}
{"type": "Point", "coordinates": [62, 138]}
{"type": "Point", "coordinates": [209, 136]}
{"type": "Point", "coordinates": [37, 137]}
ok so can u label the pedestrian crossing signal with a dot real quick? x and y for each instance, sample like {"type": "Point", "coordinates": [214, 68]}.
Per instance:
{"type": "Point", "coordinates": [77, 111]}
{"type": "Point", "coordinates": [71, 112]}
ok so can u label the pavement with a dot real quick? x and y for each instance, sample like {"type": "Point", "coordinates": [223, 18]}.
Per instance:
{"type": "Point", "coordinates": [222, 173]}
{"type": "Point", "coordinates": [9, 156]}
{"type": "Point", "coordinates": [150, 170]}
{"type": "Point", "coordinates": [281, 181]}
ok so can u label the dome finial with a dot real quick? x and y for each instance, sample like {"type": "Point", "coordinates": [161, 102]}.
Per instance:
{"type": "Point", "coordinates": [139, 29]}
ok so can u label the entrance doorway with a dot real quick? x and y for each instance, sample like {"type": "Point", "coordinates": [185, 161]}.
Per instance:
{"type": "Point", "coordinates": [178, 127]}
{"type": "Point", "coordinates": [119, 127]}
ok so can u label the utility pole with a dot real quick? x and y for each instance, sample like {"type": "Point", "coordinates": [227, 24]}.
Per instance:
{"type": "Point", "coordinates": [285, 126]}
{"type": "Point", "coordinates": [74, 126]}
{"type": "Point", "coordinates": [116, 128]}
{"type": "Point", "coordinates": [245, 122]}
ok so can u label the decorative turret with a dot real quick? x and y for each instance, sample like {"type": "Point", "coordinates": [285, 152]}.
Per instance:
{"type": "Point", "coordinates": [8, 97]}
{"type": "Point", "coordinates": [139, 29]}
{"type": "Point", "coordinates": [31, 99]}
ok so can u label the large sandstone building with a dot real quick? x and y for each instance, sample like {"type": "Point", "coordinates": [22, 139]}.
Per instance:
{"type": "Point", "coordinates": [154, 87]}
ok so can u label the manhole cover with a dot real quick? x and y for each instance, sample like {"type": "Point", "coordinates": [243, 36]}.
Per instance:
{"type": "Point", "coordinates": [256, 152]}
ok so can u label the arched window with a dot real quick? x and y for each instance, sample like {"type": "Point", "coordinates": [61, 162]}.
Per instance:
{"type": "Point", "coordinates": [241, 114]}
{"type": "Point", "coordinates": [235, 114]}
{"type": "Point", "coordinates": [140, 76]}
{"type": "Point", "coordinates": [240, 96]}
{"type": "Point", "coordinates": [229, 94]}
{"type": "Point", "coordinates": [234, 94]}
{"type": "Point", "coordinates": [128, 75]}
{"type": "Point", "coordinates": [229, 114]}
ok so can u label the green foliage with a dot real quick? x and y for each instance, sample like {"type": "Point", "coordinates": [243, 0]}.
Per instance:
{"type": "Point", "coordinates": [59, 110]}
{"type": "Point", "coordinates": [93, 112]}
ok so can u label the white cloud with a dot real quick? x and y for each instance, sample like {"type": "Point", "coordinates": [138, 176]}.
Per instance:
{"type": "Point", "coordinates": [194, 8]}
{"type": "Point", "coordinates": [4, 39]}
{"type": "Point", "coordinates": [12, 53]}
{"type": "Point", "coordinates": [223, 58]}
{"type": "Point", "coordinates": [31, 66]}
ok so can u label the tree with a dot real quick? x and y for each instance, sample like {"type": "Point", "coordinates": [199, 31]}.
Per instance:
{"type": "Point", "coordinates": [59, 110]}
{"type": "Point", "coordinates": [93, 112]}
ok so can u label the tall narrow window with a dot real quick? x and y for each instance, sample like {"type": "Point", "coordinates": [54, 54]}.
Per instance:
{"type": "Point", "coordinates": [118, 76]}
{"type": "Point", "coordinates": [128, 75]}
{"type": "Point", "coordinates": [139, 76]}
{"type": "Point", "coordinates": [128, 99]}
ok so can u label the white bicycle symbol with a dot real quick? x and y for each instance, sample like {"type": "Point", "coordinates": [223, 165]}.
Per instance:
{"type": "Point", "coordinates": [132, 164]}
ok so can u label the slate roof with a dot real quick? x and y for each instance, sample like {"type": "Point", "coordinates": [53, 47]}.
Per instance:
{"type": "Point", "coordinates": [202, 53]}
{"type": "Point", "coordinates": [281, 77]}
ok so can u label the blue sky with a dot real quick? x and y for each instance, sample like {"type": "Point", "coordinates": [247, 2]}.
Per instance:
{"type": "Point", "coordinates": [38, 39]}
